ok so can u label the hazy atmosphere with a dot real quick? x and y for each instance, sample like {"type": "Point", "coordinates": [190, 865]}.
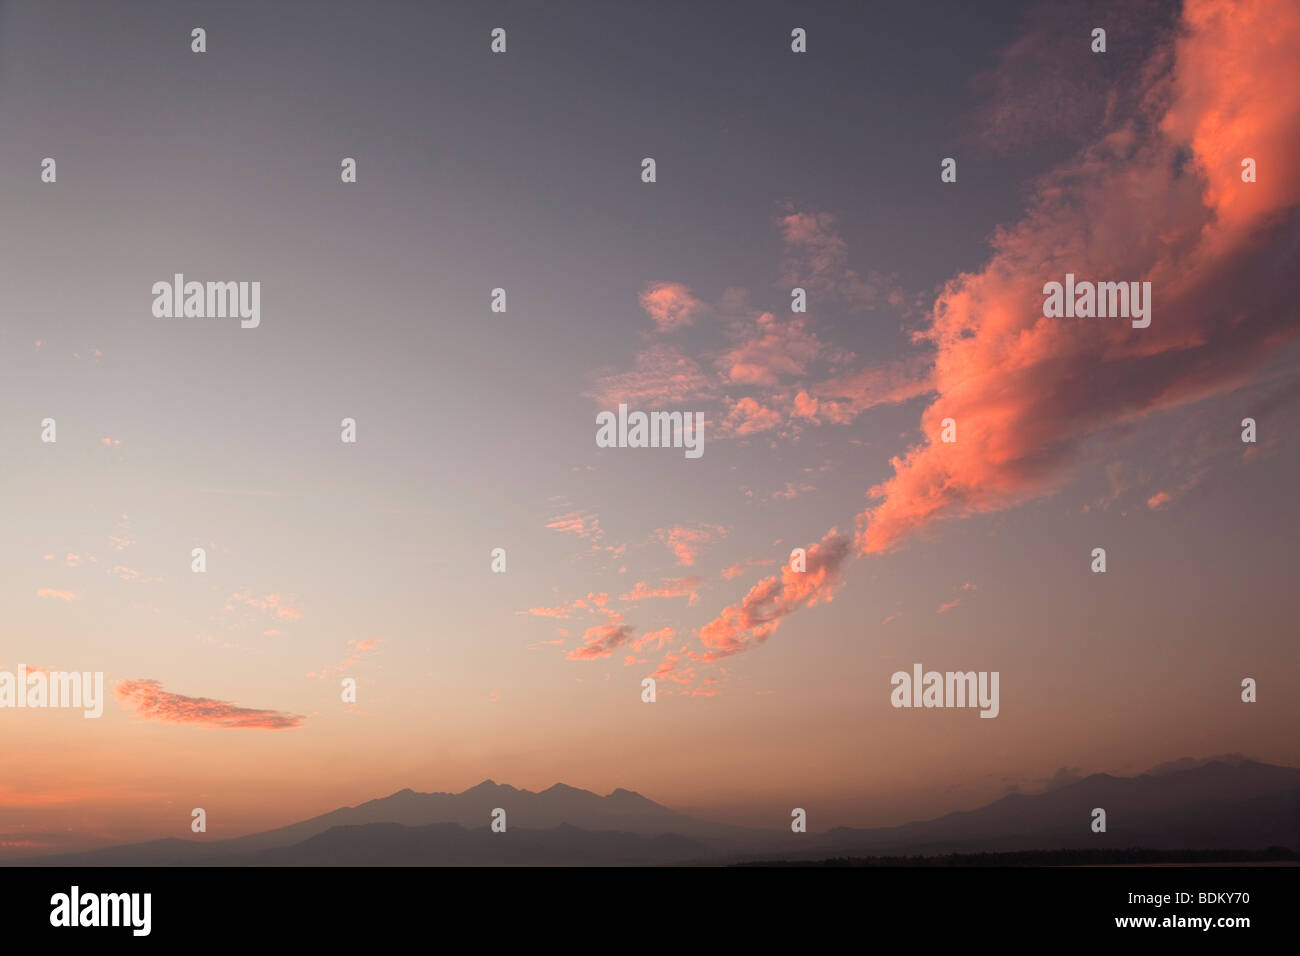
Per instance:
{"type": "Point", "coordinates": [475, 426]}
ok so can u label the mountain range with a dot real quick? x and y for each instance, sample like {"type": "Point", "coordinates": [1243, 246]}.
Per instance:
{"type": "Point", "coordinates": [1221, 804]}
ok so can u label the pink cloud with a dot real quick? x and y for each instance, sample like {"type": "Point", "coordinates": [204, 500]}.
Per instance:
{"type": "Point", "coordinates": [600, 641]}
{"type": "Point", "coordinates": [151, 702]}
{"type": "Point", "coordinates": [738, 569]}
{"type": "Point", "coordinates": [667, 670]}
{"type": "Point", "coordinates": [670, 305]}
{"type": "Point", "coordinates": [1157, 200]}
{"type": "Point", "coordinates": [357, 651]}
{"type": "Point", "coordinates": [593, 602]}
{"type": "Point", "coordinates": [759, 614]}
{"type": "Point", "coordinates": [687, 587]}
{"type": "Point", "coordinates": [652, 640]}
{"type": "Point", "coordinates": [747, 417]}
{"type": "Point", "coordinates": [582, 523]}
{"type": "Point", "coordinates": [662, 377]}
{"type": "Point", "coordinates": [276, 604]}
{"type": "Point", "coordinates": [686, 542]}
{"type": "Point", "coordinates": [817, 261]}
{"type": "Point", "coordinates": [1045, 68]}
{"type": "Point", "coordinates": [840, 400]}
{"type": "Point", "coordinates": [792, 490]}
{"type": "Point", "coordinates": [770, 348]}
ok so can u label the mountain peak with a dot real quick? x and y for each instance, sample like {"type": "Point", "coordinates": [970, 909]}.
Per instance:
{"type": "Point", "coordinates": [562, 788]}
{"type": "Point", "coordinates": [629, 798]}
{"type": "Point", "coordinates": [1194, 763]}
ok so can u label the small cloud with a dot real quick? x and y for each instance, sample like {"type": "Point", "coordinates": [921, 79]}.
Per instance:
{"type": "Point", "coordinates": [279, 605]}
{"type": "Point", "coordinates": [151, 702]}
{"type": "Point", "coordinates": [600, 641]}
{"type": "Point", "coordinates": [358, 650]}
{"type": "Point", "coordinates": [687, 587]}
{"type": "Point", "coordinates": [686, 542]}
{"type": "Point", "coordinates": [670, 305]}
{"type": "Point", "coordinates": [1159, 500]}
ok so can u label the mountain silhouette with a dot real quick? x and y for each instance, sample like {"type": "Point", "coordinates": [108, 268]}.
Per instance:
{"type": "Point", "coordinates": [1224, 804]}
{"type": "Point", "coordinates": [1217, 805]}
{"type": "Point", "coordinates": [450, 844]}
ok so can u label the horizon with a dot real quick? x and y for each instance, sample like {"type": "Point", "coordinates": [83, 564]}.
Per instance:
{"type": "Point", "coordinates": [770, 826]}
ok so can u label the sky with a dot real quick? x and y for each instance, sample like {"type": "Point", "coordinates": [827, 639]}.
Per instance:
{"type": "Point", "coordinates": [476, 429]}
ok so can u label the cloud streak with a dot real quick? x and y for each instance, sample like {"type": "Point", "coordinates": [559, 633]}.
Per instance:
{"type": "Point", "coordinates": [749, 623]}
{"type": "Point", "coordinates": [149, 701]}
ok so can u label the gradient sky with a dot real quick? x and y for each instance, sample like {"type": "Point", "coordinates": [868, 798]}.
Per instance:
{"type": "Point", "coordinates": [476, 430]}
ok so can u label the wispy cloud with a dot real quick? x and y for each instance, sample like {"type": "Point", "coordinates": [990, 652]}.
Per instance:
{"type": "Point", "coordinates": [278, 605]}
{"type": "Point", "coordinates": [758, 615]}
{"type": "Point", "coordinates": [600, 641]}
{"type": "Point", "coordinates": [357, 651]}
{"type": "Point", "coordinates": [687, 587]}
{"type": "Point", "coordinates": [686, 542]}
{"type": "Point", "coordinates": [149, 701]}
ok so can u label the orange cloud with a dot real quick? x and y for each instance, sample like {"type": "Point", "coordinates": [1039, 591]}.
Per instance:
{"type": "Point", "coordinates": [600, 641]}
{"type": "Point", "coordinates": [651, 641]}
{"type": "Point", "coordinates": [738, 569]}
{"type": "Point", "coordinates": [792, 491]}
{"type": "Point", "coordinates": [593, 602]}
{"type": "Point", "coordinates": [686, 542]}
{"type": "Point", "coordinates": [670, 305]}
{"type": "Point", "coordinates": [687, 587]}
{"type": "Point", "coordinates": [748, 416]}
{"type": "Point", "coordinates": [125, 573]}
{"type": "Point", "coordinates": [759, 614]}
{"type": "Point", "coordinates": [59, 595]}
{"type": "Point", "coordinates": [276, 604]}
{"type": "Point", "coordinates": [151, 702]}
{"type": "Point", "coordinates": [1159, 500]}
{"type": "Point", "coordinates": [358, 651]}
{"type": "Point", "coordinates": [667, 670]}
{"type": "Point", "coordinates": [840, 400]}
{"type": "Point", "coordinates": [662, 376]}
{"type": "Point", "coordinates": [1157, 199]}
{"type": "Point", "coordinates": [582, 523]}
{"type": "Point", "coordinates": [771, 348]}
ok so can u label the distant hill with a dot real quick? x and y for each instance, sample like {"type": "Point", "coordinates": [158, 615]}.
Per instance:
{"type": "Point", "coordinates": [1229, 804]}
{"type": "Point", "coordinates": [450, 844]}
{"type": "Point", "coordinates": [1244, 805]}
